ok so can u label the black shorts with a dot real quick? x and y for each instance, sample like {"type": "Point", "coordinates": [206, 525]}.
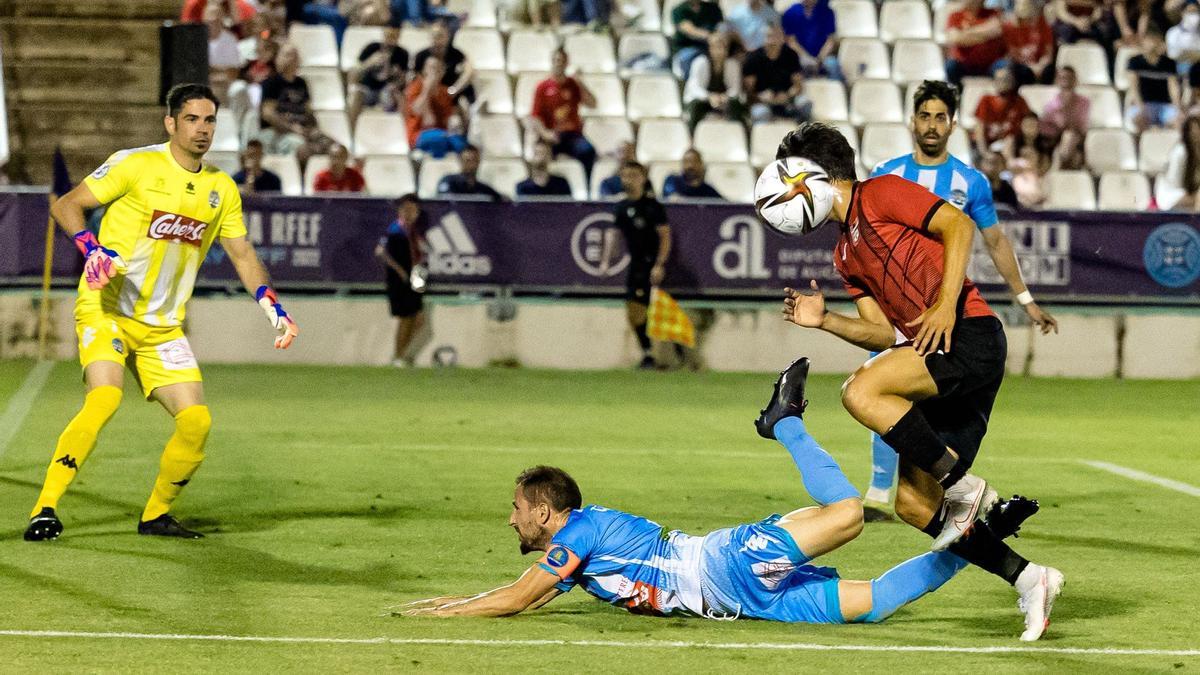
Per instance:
{"type": "Point", "coordinates": [968, 379]}
{"type": "Point", "coordinates": [404, 301]}
{"type": "Point", "coordinates": [637, 285]}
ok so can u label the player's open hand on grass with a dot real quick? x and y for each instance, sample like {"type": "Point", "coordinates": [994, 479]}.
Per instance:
{"type": "Point", "coordinates": [1041, 318]}
{"type": "Point", "coordinates": [805, 309]}
{"type": "Point", "coordinates": [288, 330]}
{"type": "Point", "coordinates": [100, 264]}
{"type": "Point", "coordinates": [936, 324]}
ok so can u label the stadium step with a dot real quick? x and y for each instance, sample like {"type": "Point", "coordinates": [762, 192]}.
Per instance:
{"type": "Point", "coordinates": [95, 9]}
{"type": "Point", "coordinates": [110, 42]}
{"type": "Point", "coordinates": [48, 81]}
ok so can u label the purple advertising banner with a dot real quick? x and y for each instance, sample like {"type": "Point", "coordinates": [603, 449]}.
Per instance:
{"type": "Point", "coordinates": [719, 249]}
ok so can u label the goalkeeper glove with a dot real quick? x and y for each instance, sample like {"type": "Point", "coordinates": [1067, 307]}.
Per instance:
{"type": "Point", "coordinates": [100, 264]}
{"type": "Point", "coordinates": [288, 330]}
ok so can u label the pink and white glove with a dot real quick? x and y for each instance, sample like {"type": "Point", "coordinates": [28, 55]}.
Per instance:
{"type": "Point", "coordinates": [288, 330]}
{"type": "Point", "coordinates": [100, 264]}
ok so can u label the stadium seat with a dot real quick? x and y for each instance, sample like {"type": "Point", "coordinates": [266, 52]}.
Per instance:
{"type": "Point", "coordinates": [600, 171]}
{"type": "Point", "coordinates": [591, 52]}
{"type": "Point", "coordinates": [499, 135]}
{"type": "Point", "coordinates": [607, 133]}
{"type": "Point", "coordinates": [1121, 67]}
{"type": "Point", "coordinates": [227, 161]}
{"type": "Point", "coordinates": [609, 93]}
{"type": "Point", "coordinates": [721, 141]}
{"type": "Point", "coordinates": [316, 44]}
{"type": "Point", "coordinates": [355, 40]}
{"type": "Point", "coordinates": [764, 141]}
{"type": "Point", "coordinates": [288, 170]}
{"type": "Point", "coordinates": [657, 173]}
{"type": "Point", "coordinates": [917, 60]}
{"type": "Point", "coordinates": [1088, 59]}
{"type": "Point", "coordinates": [875, 101]}
{"type": "Point", "coordinates": [1105, 111]}
{"type": "Point", "coordinates": [483, 46]}
{"type": "Point", "coordinates": [864, 58]}
{"type": "Point", "coordinates": [480, 13]}
{"type": "Point", "coordinates": [1124, 191]}
{"type": "Point", "coordinates": [380, 133]}
{"type": "Point", "coordinates": [662, 140]}
{"type": "Point", "coordinates": [734, 180]}
{"type": "Point", "coordinates": [389, 176]}
{"type": "Point", "coordinates": [653, 95]}
{"type": "Point", "coordinates": [644, 15]}
{"type": "Point", "coordinates": [503, 174]}
{"type": "Point", "coordinates": [530, 51]}
{"type": "Point", "coordinates": [415, 39]}
{"type": "Point", "coordinates": [848, 131]}
{"type": "Point", "coordinates": [1069, 190]}
{"type": "Point", "coordinates": [974, 88]}
{"type": "Point", "coordinates": [904, 20]}
{"type": "Point", "coordinates": [1037, 96]}
{"type": "Point", "coordinates": [333, 123]}
{"type": "Point", "coordinates": [523, 95]}
{"type": "Point", "coordinates": [1166, 195]}
{"type": "Point", "coordinates": [941, 15]}
{"type": "Point", "coordinates": [668, 26]}
{"type": "Point", "coordinates": [960, 145]}
{"type": "Point", "coordinates": [855, 18]}
{"type": "Point", "coordinates": [828, 99]}
{"type": "Point", "coordinates": [572, 170]}
{"type": "Point", "coordinates": [882, 141]}
{"type": "Point", "coordinates": [636, 44]}
{"type": "Point", "coordinates": [494, 88]}
{"type": "Point", "coordinates": [225, 135]}
{"type": "Point", "coordinates": [432, 172]}
{"type": "Point", "coordinates": [1154, 148]}
{"type": "Point", "coordinates": [1110, 150]}
{"type": "Point", "coordinates": [325, 88]}
{"type": "Point", "coordinates": [316, 164]}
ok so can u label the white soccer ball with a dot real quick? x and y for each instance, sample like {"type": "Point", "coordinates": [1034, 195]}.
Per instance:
{"type": "Point", "coordinates": [793, 196]}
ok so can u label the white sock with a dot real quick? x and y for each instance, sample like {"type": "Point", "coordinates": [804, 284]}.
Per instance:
{"type": "Point", "coordinates": [1029, 578]}
{"type": "Point", "coordinates": [881, 496]}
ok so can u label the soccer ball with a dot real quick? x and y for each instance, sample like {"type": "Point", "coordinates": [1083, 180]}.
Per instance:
{"type": "Point", "coordinates": [793, 196]}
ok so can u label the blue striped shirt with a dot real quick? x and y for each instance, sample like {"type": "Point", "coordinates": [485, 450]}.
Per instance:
{"type": "Point", "coordinates": [953, 180]}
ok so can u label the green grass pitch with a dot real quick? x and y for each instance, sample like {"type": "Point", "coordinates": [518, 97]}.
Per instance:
{"type": "Point", "coordinates": [330, 494]}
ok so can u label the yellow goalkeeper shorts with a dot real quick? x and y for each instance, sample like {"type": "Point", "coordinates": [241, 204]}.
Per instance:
{"type": "Point", "coordinates": [157, 356]}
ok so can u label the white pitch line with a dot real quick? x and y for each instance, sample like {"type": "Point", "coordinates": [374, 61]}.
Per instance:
{"type": "Point", "coordinates": [22, 402]}
{"type": "Point", "coordinates": [615, 644]}
{"type": "Point", "coordinates": [1134, 474]}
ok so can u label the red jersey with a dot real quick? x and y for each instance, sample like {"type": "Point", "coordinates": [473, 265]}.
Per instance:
{"type": "Point", "coordinates": [886, 252]}
{"type": "Point", "coordinates": [351, 181]}
{"type": "Point", "coordinates": [984, 54]}
{"type": "Point", "coordinates": [557, 105]}
{"type": "Point", "coordinates": [1028, 41]}
{"type": "Point", "coordinates": [437, 115]}
{"type": "Point", "coordinates": [1001, 115]}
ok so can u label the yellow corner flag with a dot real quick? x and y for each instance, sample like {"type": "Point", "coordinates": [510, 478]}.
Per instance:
{"type": "Point", "coordinates": [667, 322]}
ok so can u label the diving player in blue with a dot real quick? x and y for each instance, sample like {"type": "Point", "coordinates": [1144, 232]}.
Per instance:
{"type": "Point", "coordinates": [933, 167]}
{"type": "Point", "coordinates": [757, 570]}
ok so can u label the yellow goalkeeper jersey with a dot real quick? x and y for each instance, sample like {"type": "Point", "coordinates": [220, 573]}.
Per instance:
{"type": "Point", "coordinates": [161, 219]}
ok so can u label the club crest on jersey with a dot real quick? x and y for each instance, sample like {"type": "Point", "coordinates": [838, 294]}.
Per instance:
{"type": "Point", "coordinates": [101, 171]}
{"type": "Point", "coordinates": [557, 556]}
{"type": "Point", "coordinates": [118, 346]}
{"type": "Point", "coordinates": [958, 198]}
{"type": "Point", "coordinates": [214, 199]}
{"type": "Point", "coordinates": [177, 228]}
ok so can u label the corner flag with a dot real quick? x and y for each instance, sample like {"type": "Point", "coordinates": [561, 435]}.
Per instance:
{"type": "Point", "coordinates": [667, 322]}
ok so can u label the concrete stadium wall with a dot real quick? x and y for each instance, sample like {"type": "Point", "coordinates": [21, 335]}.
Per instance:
{"type": "Point", "coordinates": [581, 334]}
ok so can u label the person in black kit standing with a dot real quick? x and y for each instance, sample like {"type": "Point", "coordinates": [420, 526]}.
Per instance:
{"type": "Point", "coordinates": [643, 222]}
{"type": "Point", "coordinates": [401, 251]}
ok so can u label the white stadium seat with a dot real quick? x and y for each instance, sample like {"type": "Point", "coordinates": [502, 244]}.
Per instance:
{"type": "Point", "coordinates": [225, 136]}
{"type": "Point", "coordinates": [325, 88]}
{"type": "Point", "coordinates": [652, 95]}
{"type": "Point", "coordinates": [1121, 66]}
{"type": "Point", "coordinates": [721, 141]}
{"type": "Point", "coordinates": [389, 176]}
{"type": "Point", "coordinates": [764, 140]}
{"type": "Point", "coordinates": [875, 101]}
{"type": "Point", "coordinates": [288, 170]}
{"type": "Point", "coordinates": [941, 14]}
{"type": "Point", "coordinates": [609, 93]}
{"type": "Point", "coordinates": [480, 13]}
{"type": "Point", "coordinates": [917, 60]}
{"type": "Point", "coordinates": [657, 173]}
{"type": "Point", "coordinates": [960, 145]}
{"type": "Point", "coordinates": [644, 15]}
{"type": "Point", "coordinates": [499, 135]}
{"type": "Point", "coordinates": [225, 160]}
{"type": "Point", "coordinates": [1069, 190]}
{"type": "Point", "coordinates": [1154, 147]}
{"type": "Point", "coordinates": [1105, 110]}
{"type": "Point", "coordinates": [600, 171]}
{"type": "Point", "coordinates": [882, 141]}
{"type": "Point", "coordinates": [734, 180]}
{"type": "Point", "coordinates": [591, 52]}
{"type": "Point", "coordinates": [1088, 59]}
{"type": "Point", "coordinates": [828, 99]}
{"type": "Point", "coordinates": [904, 20]}
{"type": "Point", "coordinates": [355, 40]}
{"type": "Point", "coordinates": [503, 174]}
{"type": "Point", "coordinates": [523, 94]}
{"type": "Point", "coordinates": [415, 39]}
{"type": "Point", "coordinates": [849, 132]}
{"type": "Point", "coordinates": [668, 26]}
{"type": "Point", "coordinates": [571, 169]}
{"type": "Point", "coordinates": [380, 133]}
{"type": "Point", "coordinates": [530, 50]}
{"type": "Point", "coordinates": [974, 88]}
{"type": "Point", "coordinates": [495, 90]}
{"type": "Point", "coordinates": [855, 18]}
{"type": "Point", "coordinates": [662, 140]}
{"type": "Point", "coordinates": [1110, 150]}
{"type": "Point", "coordinates": [1037, 96]}
{"type": "Point", "coordinates": [606, 134]}
{"type": "Point", "coordinates": [432, 172]}
{"type": "Point", "coordinates": [316, 164]}
{"type": "Point", "coordinates": [316, 44]}
{"type": "Point", "coordinates": [333, 123]}
{"type": "Point", "coordinates": [864, 58]}
{"type": "Point", "coordinates": [483, 46]}
{"type": "Point", "coordinates": [636, 44]}
{"type": "Point", "coordinates": [1124, 191]}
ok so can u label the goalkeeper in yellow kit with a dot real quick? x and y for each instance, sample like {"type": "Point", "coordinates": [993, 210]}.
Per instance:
{"type": "Point", "coordinates": [166, 208]}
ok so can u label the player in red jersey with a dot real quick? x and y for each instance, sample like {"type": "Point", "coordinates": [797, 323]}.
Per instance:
{"type": "Point", "coordinates": [902, 255]}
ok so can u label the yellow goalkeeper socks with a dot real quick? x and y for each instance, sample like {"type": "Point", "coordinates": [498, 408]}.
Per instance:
{"type": "Point", "coordinates": [76, 443]}
{"type": "Point", "coordinates": [180, 459]}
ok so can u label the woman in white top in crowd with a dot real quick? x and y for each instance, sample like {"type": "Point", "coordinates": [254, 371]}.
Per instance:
{"type": "Point", "coordinates": [714, 84]}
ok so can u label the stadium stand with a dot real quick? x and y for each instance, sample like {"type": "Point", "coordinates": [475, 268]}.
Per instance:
{"type": "Point", "coordinates": [663, 139]}
{"type": "Point", "coordinates": [855, 18]}
{"type": "Point", "coordinates": [1124, 191]}
{"type": "Point", "coordinates": [1070, 190]}
{"type": "Point", "coordinates": [904, 20]}
{"type": "Point", "coordinates": [389, 175]}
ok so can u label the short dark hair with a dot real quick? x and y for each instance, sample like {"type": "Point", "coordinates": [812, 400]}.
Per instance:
{"type": "Point", "coordinates": [182, 93]}
{"type": "Point", "coordinates": [410, 198]}
{"type": "Point", "coordinates": [634, 165]}
{"type": "Point", "coordinates": [469, 148]}
{"type": "Point", "coordinates": [254, 143]}
{"type": "Point", "coordinates": [821, 143]}
{"type": "Point", "coordinates": [1070, 69]}
{"type": "Point", "coordinates": [551, 486]}
{"type": "Point", "coordinates": [936, 89]}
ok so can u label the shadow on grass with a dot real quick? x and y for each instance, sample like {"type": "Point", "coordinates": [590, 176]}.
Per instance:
{"type": "Point", "coordinates": [81, 592]}
{"type": "Point", "coordinates": [1114, 546]}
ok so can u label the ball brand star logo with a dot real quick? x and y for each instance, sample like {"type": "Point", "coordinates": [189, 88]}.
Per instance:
{"type": "Point", "coordinates": [799, 188]}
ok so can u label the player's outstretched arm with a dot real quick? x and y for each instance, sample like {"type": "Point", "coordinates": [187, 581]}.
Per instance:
{"type": "Point", "coordinates": [870, 330]}
{"type": "Point", "coordinates": [1001, 251]}
{"type": "Point", "coordinates": [100, 264]}
{"type": "Point", "coordinates": [534, 589]}
{"type": "Point", "coordinates": [254, 277]}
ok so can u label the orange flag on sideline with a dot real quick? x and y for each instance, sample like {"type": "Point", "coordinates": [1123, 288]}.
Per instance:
{"type": "Point", "coordinates": [667, 322]}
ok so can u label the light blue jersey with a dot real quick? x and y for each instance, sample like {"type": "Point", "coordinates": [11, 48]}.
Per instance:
{"type": "Point", "coordinates": [953, 180]}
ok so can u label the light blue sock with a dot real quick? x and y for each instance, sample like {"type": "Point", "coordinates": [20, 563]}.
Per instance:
{"type": "Point", "coordinates": [908, 581]}
{"type": "Point", "coordinates": [883, 464]}
{"type": "Point", "coordinates": [822, 476]}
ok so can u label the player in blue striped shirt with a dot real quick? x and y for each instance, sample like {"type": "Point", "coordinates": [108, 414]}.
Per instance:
{"type": "Point", "coordinates": [931, 165]}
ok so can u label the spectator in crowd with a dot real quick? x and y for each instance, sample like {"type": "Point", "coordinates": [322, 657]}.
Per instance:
{"type": "Point", "coordinates": [992, 166]}
{"type": "Point", "coordinates": [420, 12]}
{"type": "Point", "coordinates": [288, 123]}
{"type": "Point", "coordinates": [274, 16]}
{"type": "Point", "coordinates": [542, 183]}
{"type": "Point", "coordinates": [401, 250]}
{"type": "Point", "coordinates": [774, 83]}
{"type": "Point", "coordinates": [974, 40]}
{"type": "Point", "coordinates": [1028, 179]}
{"type": "Point", "coordinates": [457, 69]}
{"type": "Point", "coordinates": [555, 117]}
{"type": "Point", "coordinates": [1029, 135]}
{"type": "Point", "coordinates": [339, 14]}
{"type": "Point", "coordinates": [237, 12]}
{"type": "Point", "coordinates": [340, 176]}
{"type": "Point", "coordinates": [611, 186]}
{"type": "Point", "coordinates": [466, 182]}
{"type": "Point", "coordinates": [694, 21]}
{"type": "Point", "coordinates": [1076, 20]}
{"type": "Point", "coordinates": [380, 65]}
{"type": "Point", "coordinates": [537, 13]}
{"type": "Point", "coordinates": [253, 177]}
{"type": "Point", "coordinates": [689, 182]}
{"type": "Point", "coordinates": [999, 114]}
{"type": "Point", "coordinates": [593, 13]}
{"type": "Point", "coordinates": [714, 85]}
{"type": "Point", "coordinates": [1064, 121]}
{"type": "Point", "coordinates": [224, 58]}
{"type": "Point", "coordinates": [245, 93]}
{"type": "Point", "coordinates": [429, 112]}
{"type": "Point", "coordinates": [1030, 43]}
{"type": "Point", "coordinates": [811, 31]}
{"type": "Point", "coordinates": [1183, 39]}
{"type": "Point", "coordinates": [1180, 183]}
{"type": "Point", "coordinates": [1154, 96]}
{"type": "Point", "coordinates": [750, 21]}
{"type": "Point", "coordinates": [1135, 17]}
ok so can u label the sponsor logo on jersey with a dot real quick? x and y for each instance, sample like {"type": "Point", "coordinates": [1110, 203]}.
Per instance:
{"type": "Point", "coordinates": [453, 251]}
{"type": "Point", "coordinates": [214, 199]}
{"type": "Point", "coordinates": [191, 188]}
{"type": "Point", "coordinates": [557, 556]}
{"type": "Point", "coordinates": [174, 227]}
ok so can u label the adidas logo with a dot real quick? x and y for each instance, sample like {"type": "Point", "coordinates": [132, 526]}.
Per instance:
{"type": "Point", "coordinates": [67, 461]}
{"type": "Point", "coordinates": [453, 251]}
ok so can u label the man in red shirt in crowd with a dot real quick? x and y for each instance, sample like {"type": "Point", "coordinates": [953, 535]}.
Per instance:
{"type": "Point", "coordinates": [1030, 44]}
{"type": "Point", "coordinates": [555, 114]}
{"type": "Point", "coordinates": [193, 10]}
{"type": "Point", "coordinates": [999, 115]}
{"type": "Point", "coordinates": [340, 176]}
{"type": "Point", "coordinates": [974, 35]}
{"type": "Point", "coordinates": [428, 109]}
